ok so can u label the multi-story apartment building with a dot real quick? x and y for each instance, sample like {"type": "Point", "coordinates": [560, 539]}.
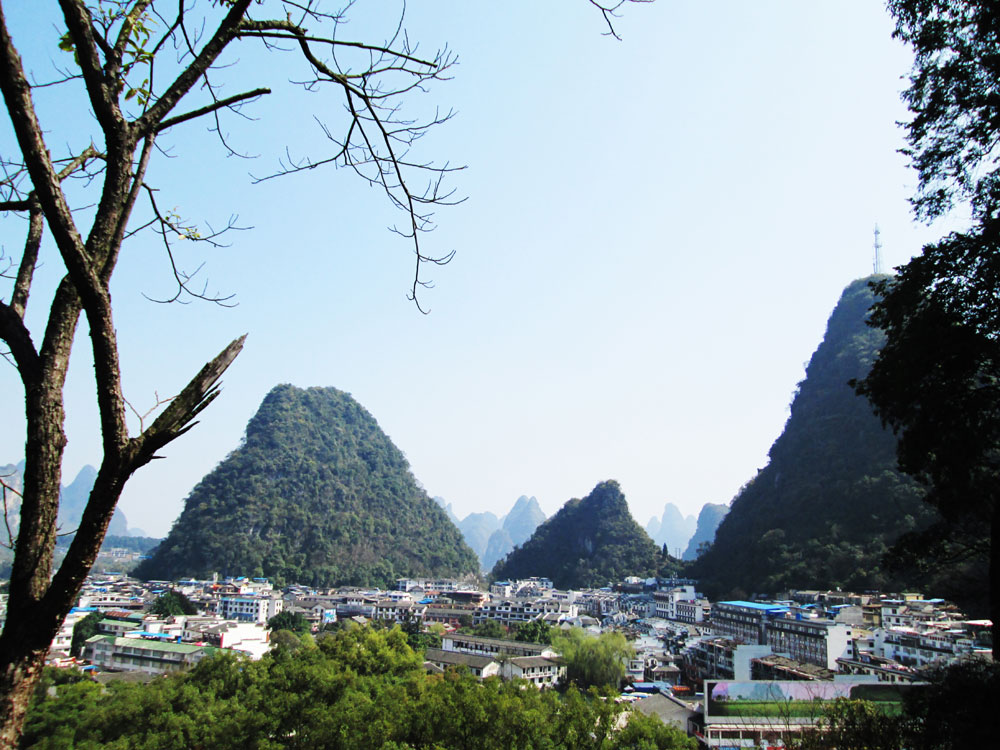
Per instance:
{"type": "Point", "coordinates": [250, 638]}
{"type": "Point", "coordinates": [250, 608]}
{"type": "Point", "coordinates": [474, 644]}
{"type": "Point", "coordinates": [514, 611]}
{"type": "Point", "coordinates": [693, 611]}
{"type": "Point", "coordinates": [711, 658]}
{"type": "Point", "coordinates": [141, 655]}
{"type": "Point", "coordinates": [813, 641]}
{"type": "Point", "coordinates": [745, 621]}
{"type": "Point", "coordinates": [919, 648]}
{"type": "Point", "coordinates": [679, 603]}
{"type": "Point", "coordinates": [819, 642]}
{"type": "Point", "coordinates": [399, 610]}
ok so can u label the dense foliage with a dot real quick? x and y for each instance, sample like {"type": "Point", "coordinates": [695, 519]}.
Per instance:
{"type": "Point", "coordinates": [593, 660]}
{"type": "Point", "coordinates": [954, 100]}
{"type": "Point", "coordinates": [831, 501]}
{"type": "Point", "coordinates": [172, 603]}
{"type": "Point", "coordinates": [287, 620]}
{"type": "Point", "coordinates": [936, 380]}
{"type": "Point", "coordinates": [954, 710]}
{"type": "Point", "coordinates": [83, 630]}
{"type": "Point", "coordinates": [358, 688]}
{"type": "Point", "coordinates": [534, 631]}
{"type": "Point", "coordinates": [589, 543]}
{"type": "Point", "coordinates": [316, 494]}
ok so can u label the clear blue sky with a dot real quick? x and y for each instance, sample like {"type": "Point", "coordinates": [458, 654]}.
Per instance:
{"type": "Point", "coordinates": [655, 233]}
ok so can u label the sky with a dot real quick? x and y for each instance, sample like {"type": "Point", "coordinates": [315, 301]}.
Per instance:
{"type": "Point", "coordinates": [655, 232]}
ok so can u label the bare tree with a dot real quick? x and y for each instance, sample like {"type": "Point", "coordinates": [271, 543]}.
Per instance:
{"type": "Point", "coordinates": [147, 67]}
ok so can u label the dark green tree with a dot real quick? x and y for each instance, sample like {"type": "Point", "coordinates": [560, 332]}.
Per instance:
{"type": "Point", "coordinates": [936, 379]}
{"type": "Point", "coordinates": [359, 688]}
{"type": "Point", "coordinates": [173, 603]}
{"type": "Point", "coordinates": [83, 630]}
{"type": "Point", "coordinates": [858, 725]}
{"type": "Point", "coordinates": [289, 620]}
{"type": "Point", "coordinates": [954, 99]}
{"type": "Point", "coordinates": [534, 631]}
{"type": "Point", "coordinates": [490, 629]}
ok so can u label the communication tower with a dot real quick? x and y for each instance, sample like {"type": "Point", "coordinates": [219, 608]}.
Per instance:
{"type": "Point", "coordinates": [877, 264]}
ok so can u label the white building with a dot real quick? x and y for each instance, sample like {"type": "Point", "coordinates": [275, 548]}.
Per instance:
{"type": "Point", "coordinates": [250, 608]}
{"type": "Point", "coordinates": [141, 655]}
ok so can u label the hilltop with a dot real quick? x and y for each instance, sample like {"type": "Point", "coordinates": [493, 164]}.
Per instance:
{"type": "Point", "coordinates": [317, 494]}
{"type": "Point", "coordinates": [587, 543]}
{"type": "Point", "coordinates": [830, 501]}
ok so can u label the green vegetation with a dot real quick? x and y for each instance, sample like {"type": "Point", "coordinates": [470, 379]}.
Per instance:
{"type": "Point", "coordinates": [830, 502]}
{"type": "Point", "coordinates": [589, 543]}
{"type": "Point", "coordinates": [173, 603]}
{"type": "Point", "coordinates": [488, 629]}
{"type": "Point", "coordinates": [534, 631]}
{"type": "Point", "coordinates": [357, 688]}
{"type": "Point", "coordinates": [857, 725]}
{"type": "Point", "coordinates": [936, 379]}
{"type": "Point", "coordinates": [593, 660]}
{"type": "Point", "coordinates": [293, 621]}
{"type": "Point", "coordinates": [83, 630]}
{"type": "Point", "coordinates": [316, 494]}
{"type": "Point", "coordinates": [954, 711]}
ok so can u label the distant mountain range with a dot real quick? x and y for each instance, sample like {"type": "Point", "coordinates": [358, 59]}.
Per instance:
{"type": "Point", "coordinates": [72, 500]}
{"type": "Point", "coordinates": [704, 534]}
{"type": "Point", "coordinates": [589, 542]}
{"type": "Point", "coordinates": [492, 537]}
{"type": "Point", "coordinates": [672, 529]}
{"type": "Point", "coordinates": [830, 501]}
{"type": "Point", "coordinates": [316, 494]}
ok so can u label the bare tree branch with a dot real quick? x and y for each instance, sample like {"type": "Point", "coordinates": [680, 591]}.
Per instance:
{"type": "Point", "coordinates": [200, 112]}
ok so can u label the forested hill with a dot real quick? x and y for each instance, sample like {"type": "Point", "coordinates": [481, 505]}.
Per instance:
{"type": "Point", "coordinates": [588, 543]}
{"type": "Point", "coordinates": [316, 494]}
{"type": "Point", "coordinates": [830, 501]}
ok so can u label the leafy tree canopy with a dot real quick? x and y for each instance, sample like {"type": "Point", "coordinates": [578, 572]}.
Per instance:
{"type": "Point", "coordinates": [594, 661]}
{"type": "Point", "coordinates": [84, 629]}
{"type": "Point", "coordinates": [936, 379]}
{"type": "Point", "coordinates": [288, 620]}
{"type": "Point", "coordinates": [173, 603]}
{"type": "Point", "coordinates": [534, 631]}
{"type": "Point", "coordinates": [359, 688]}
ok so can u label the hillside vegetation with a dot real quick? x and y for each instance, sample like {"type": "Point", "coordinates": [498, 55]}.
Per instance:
{"type": "Point", "coordinates": [589, 543]}
{"type": "Point", "coordinates": [830, 502]}
{"type": "Point", "coordinates": [316, 494]}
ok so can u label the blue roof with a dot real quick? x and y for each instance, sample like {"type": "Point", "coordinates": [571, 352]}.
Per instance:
{"type": "Point", "coordinates": [756, 605]}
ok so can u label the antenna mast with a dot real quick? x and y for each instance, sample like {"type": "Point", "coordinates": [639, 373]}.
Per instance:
{"type": "Point", "coordinates": [877, 265]}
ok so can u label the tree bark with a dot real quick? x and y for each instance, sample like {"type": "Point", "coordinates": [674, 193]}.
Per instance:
{"type": "Point", "coordinates": [994, 583]}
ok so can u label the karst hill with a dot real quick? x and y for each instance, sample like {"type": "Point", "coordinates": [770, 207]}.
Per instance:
{"type": "Point", "coordinates": [588, 543]}
{"type": "Point", "coordinates": [830, 501]}
{"type": "Point", "coordinates": [316, 494]}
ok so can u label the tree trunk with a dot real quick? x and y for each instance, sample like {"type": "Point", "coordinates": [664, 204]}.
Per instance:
{"type": "Point", "coordinates": [994, 582]}
{"type": "Point", "coordinates": [22, 655]}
